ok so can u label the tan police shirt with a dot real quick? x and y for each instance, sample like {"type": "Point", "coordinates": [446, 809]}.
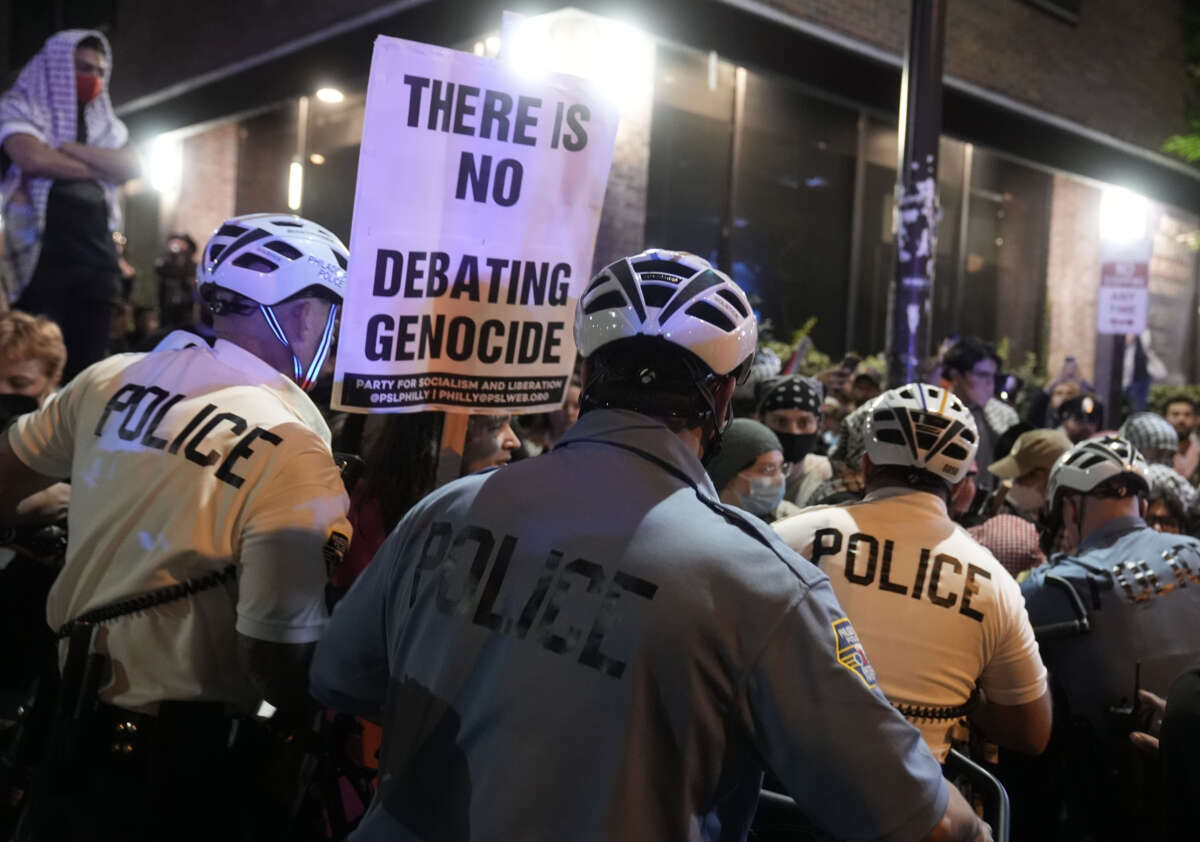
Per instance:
{"type": "Point", "coordinates": [935, 611]}
{"type": "Point", "coordinates": [183, 461]}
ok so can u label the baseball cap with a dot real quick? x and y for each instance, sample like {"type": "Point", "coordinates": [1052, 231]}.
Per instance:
{"type": "Point", "coordinates": [1032, 450]}
{"type": "Point", "coordinates": [1083, 406]}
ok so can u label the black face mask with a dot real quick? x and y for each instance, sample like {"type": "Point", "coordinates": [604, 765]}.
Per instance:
{"type": "Point", "coordinates": [796, 445]}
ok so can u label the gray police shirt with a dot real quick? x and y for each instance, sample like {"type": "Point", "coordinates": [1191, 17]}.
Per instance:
{"type": "Point", "coordinates": [589, 646]}
{"type": "Point", "coordinates": [1141, 590]}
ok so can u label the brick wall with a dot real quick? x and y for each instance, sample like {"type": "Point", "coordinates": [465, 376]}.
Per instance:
{"type": "Point", "coordinates": [208, 189]}
{"type": "Point", "coordinates": [1073, 273]}
{"type": "Point", "coordinates": [1120, 70]}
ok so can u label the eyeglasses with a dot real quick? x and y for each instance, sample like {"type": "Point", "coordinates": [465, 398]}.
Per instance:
{"type": "Point", "coordinates": [769, 471]}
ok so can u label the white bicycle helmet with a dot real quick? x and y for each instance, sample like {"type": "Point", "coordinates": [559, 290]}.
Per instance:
{"type": "Point", "coordinates": [922, 426]}
{"type": "Point", "coordinates": [1089, 464]}
{"type": "Point", "coordinates": [267, 258]}
{"type": "Point", "coordinates": [672, 295]}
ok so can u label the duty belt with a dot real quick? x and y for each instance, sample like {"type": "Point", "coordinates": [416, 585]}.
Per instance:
{"type": "Point", "coordinates": [147, 600]}
{"type": "Point", "coordinates": [932, 714]}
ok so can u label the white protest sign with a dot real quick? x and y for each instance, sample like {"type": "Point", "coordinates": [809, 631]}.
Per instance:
{"type": "Point", "coordinates": [1124, 300]}
{"type": "Point", "coordinates": [475, 217]}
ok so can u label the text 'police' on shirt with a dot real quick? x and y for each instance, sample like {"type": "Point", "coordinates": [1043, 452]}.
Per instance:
{"type": "Point", "coordinates": [142, 417]}
{"type": "Point", "coordinates": [828, 542]}
{"type": "Point", "coordinates": [462, 560]}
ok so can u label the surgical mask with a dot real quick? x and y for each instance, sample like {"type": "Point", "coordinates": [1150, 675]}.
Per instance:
{"type": "Point", "coordinates": [87, 87]}
{"type": "Point", "coordinates": [796, 445]}
{"type": "Point", "coordinates": [764, 496]}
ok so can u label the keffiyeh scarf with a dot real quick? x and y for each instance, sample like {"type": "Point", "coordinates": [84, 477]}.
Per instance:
{"type": "Point", "coordinates": [43, 103]}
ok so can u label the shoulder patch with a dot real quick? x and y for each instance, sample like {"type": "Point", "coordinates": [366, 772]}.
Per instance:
{"type": "Point", "coordinates": [850, 652]}
{"type": "Point", "coordinates": [334, 551]}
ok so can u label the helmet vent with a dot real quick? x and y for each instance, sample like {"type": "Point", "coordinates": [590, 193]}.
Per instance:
{"type": "Point", "coordinates": [288, 251]}
{"type": "Point", "coordinates": [657, 295]}
{"type": "Point", "coordinates": [907, 395]}
{"type": "Point", "coordinates": [734, 302]}
{"type": "Point", "coordinates": [955, 451]}
{"type": "Point", "coordinates": [215, 250]}
{"type": "Point", "coordinates": [608, 301]}
{"type": "Point", "coordinates": [290, 223]}
{"type": "Point", "coordinates": [666, 269]}
{"type": "Point", "coordinates": [890, 436]}
{"type": "Point", "coordinates": [230, 231]}
{"type": "Point", "coordinates": [708, 313]}
{"type": "Point", "coordinates": [341, 259]}
{"type": "Point", "coordinates": [1091, 462]}
{"type": "Point", "coordinates": [254, 263]}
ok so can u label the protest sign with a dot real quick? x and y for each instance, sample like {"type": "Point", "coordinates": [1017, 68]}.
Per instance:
{"type": "Point", "coordinates": [1124, 300]}
{"type": "Point", "coordinates": [475, 216]}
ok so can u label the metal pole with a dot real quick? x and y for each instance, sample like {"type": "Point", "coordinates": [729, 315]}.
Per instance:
{"type": "Point", "coordinates": [917, 210]}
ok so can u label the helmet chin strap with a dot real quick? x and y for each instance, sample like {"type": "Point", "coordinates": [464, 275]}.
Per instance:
{"type": "Point", "coordinates": [305, 379]}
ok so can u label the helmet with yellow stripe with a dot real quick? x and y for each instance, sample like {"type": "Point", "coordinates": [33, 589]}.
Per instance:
{"type": "Point", "coordinates": [923, 426]}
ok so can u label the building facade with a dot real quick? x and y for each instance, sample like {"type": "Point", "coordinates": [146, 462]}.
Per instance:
{"type": "Point", "coordinates": [759, 133]}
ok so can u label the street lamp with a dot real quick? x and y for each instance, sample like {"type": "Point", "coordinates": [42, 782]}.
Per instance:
{"type": "Point", "coordinates": [1123, 215]}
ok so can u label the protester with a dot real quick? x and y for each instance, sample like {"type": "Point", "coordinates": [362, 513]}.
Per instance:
{"type": "Point", "coordinates": [943, 621]}
{"type": "Point", "coordinates": [847, 482]}
{"type": "Point", "coordinates": [1081, 418]}
{"type": "Point", "coordinates": [749, 471]}
{"type": "Point", "coordinates": [490, 442]}
{"type": "Point", "coordinates": [791, 407]}
{"type": "Point", "coordinates": [1169, 500]}
{"type": "Point", "coordinates": [176, 271]}
{"type": "Point", "coordinates": [1112, 616]}
{"type": "Point", "coordinates": [1043, 408]}
{"type": "Point", "coordinates": [866, 385]}
{"type": "Point", "coordinates": [1152, 436]}
{"type": "Point", "coordinates": [970, 368]}
{"type": "Point", "coordinates": [1180, 413]}
{"type": "Point", "coordinates": [1011, 534]}
{"type": "Point", "coordinates": [540, 432]}
{"type": "Point", "coordinates": [127, 269]}
{"type": "Point", "coordinates": [65, 155]}
{"type": "Point", "coordinates": [198, 466]}
{"type": "Point", "coordinates": [32, 355]}
{"type": "Point", "coordinates": [400, 456]}
{"type": "Point", "coordinates": [616, 654]}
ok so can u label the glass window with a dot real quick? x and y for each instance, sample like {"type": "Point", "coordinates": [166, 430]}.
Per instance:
{"type": "Point", "coordinates": [793, 209]}
{"type": "Point", "coordinates": [690, 146]}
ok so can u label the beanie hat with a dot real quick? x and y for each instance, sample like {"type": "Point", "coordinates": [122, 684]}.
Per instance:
{"type": "Point", "coordinates": [743, 442]}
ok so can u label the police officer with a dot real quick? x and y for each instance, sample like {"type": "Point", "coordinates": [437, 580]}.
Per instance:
{"type": "Point", "coordinates": [942, 619]}
{"type": "Point", "coordinates": [1120, 613]}
{"type": "Point", "coordinates": [589, 645]}
{"type": "Point", "coordinates": [203, 489]}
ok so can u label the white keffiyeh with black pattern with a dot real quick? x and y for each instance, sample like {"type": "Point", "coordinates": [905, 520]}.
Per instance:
{"type": "Point", "coordinates": [42, 103]}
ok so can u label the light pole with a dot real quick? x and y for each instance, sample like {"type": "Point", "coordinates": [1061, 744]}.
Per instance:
{"type": "Point", "coordinates": [917, 210]}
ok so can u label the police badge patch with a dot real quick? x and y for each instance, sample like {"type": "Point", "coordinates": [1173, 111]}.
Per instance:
{"type": "Point", "coordinates": [850, 652]}
{"type": "Point", "coordinates": [334, 551]}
